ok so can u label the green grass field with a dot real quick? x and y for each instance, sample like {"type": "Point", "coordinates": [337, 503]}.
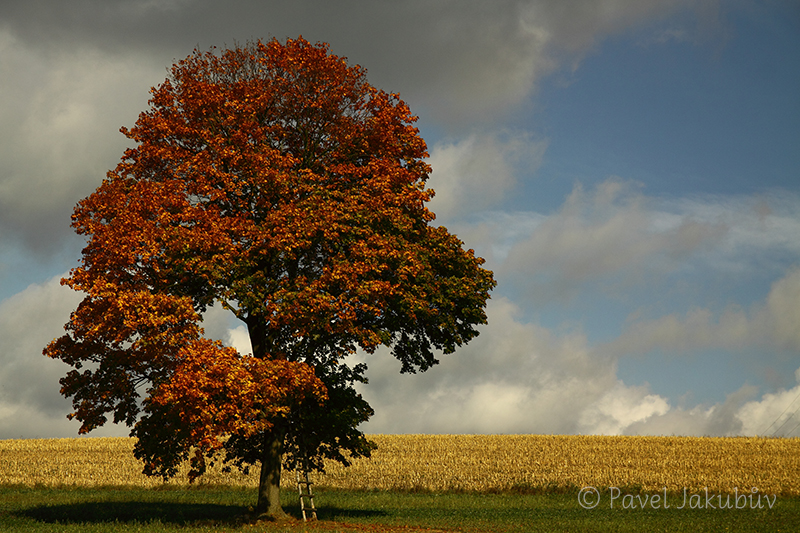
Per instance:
{"type": "Point", "coordinates": [129, 509]}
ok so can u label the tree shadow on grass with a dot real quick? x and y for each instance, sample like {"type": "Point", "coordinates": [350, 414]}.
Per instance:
{"type": "Point", "coordinates": [333, 512]}
{"type": "Point", "coordinates": [136, 511]}
{"type": "Point", "coordinates": [181, 514]}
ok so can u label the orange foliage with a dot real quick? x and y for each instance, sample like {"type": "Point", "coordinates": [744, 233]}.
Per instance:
{"type": "Point", "coordinates": [214, 392]}
{"type": "Point", "coordinates": [273, 180]}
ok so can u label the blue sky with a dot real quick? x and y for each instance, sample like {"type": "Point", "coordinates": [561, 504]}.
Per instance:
{"type": "Point", "coordinates": [629, 169]}
{"type": "Point", "coordinates": [714, 120]}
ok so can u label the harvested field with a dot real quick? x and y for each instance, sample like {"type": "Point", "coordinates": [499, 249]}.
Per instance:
{"type": "Point", "coordinates": [459, 462]}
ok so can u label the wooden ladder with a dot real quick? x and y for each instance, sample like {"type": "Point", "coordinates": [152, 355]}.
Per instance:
{"type": "Point", "coordinates": [307, 494]}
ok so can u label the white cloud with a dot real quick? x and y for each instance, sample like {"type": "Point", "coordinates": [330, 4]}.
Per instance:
{"type": "Point", "coordinates": [619, 408]}
{"type": "Point", "coordinates": [239, 338]}
{"type": "Point", "coordinates": [23, 421]}
{"type": "Point", "coordinates": [772, 324]}
{"type": "Point", "coordinates": [613, 238]}
{"type": "Point", "coordinates": [477, 172]}
{"type": "Point", "coordinates": [775, 414]}
{"type": "Point", "coordinates": [222, 325]}
{"type": "Point", "coordinates": [612, 235]}
{"type": "Point", "coordinates": [721, 419]}
{"type": "Point", "coordinates": [521, 378]}
{"type": "Point", "coordinates": [514, 378]}
{"type": "Point", "coordinates": [28, 321]}
{"type": "Point", "coordinates": [757, 227]}
{"type": "Point", "coordinates": [30, 402]}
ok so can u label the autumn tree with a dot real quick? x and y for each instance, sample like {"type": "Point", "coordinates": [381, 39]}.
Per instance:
{"type": "Point", "coordinates": [271, 179]}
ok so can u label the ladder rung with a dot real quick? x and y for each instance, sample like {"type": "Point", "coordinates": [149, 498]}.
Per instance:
{"type": "Point", "coordinates": [303, 495]}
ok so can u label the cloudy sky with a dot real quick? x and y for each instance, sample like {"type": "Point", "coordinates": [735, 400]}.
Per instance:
{"type": "Point", "coordinates": [630, 169]}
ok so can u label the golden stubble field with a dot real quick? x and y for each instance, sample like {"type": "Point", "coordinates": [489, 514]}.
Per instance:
{"type": "Point", "coordinates": [459, 462]}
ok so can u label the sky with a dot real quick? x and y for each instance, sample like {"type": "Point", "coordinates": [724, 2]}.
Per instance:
{"type": "Point", "coordinates": [629, 169]}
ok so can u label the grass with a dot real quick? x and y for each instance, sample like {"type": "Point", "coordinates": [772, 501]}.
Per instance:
{"type": "Point", "coordinates": [216, 508]}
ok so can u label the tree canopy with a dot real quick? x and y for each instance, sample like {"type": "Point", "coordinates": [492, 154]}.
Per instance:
{"type": "Point", "coordinates": [271, 179]}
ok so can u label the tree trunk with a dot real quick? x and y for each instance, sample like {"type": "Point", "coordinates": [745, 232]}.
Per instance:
{"type": "Point", "coordinates": [269, 482]}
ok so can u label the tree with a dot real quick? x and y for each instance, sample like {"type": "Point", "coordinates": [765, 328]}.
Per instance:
{"type": "Point", "coordinates": [273, 180]}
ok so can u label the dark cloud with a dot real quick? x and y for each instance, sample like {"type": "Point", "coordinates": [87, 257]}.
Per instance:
{"type": "Point", "coordinates": [73, 72]}
{"type": "Point", "coordinates": [460, 58]}
{"type": "Point", "coordinates": [435, 53]}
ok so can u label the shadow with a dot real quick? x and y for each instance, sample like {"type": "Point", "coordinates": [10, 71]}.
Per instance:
{"type": "Point", "coordinates": [136, 511]}
{"type": "Point", "coordinates": [179, 514]}
{"type": "Point", "coordinates": [329, 512]}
